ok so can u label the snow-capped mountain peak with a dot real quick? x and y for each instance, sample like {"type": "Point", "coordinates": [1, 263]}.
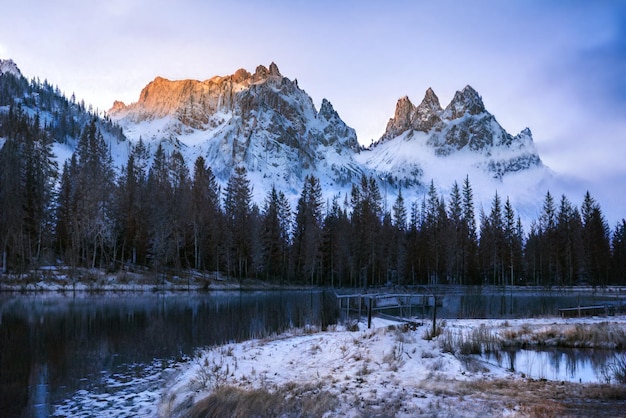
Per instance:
{"type": "Point", "coordinates": [9, 67]}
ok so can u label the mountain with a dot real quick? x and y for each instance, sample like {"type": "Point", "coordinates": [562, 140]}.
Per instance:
{"type": "Point", "coordinates": [262, 121]}
{"type": "Point", "coordinates": [268, 124]}
{"type": "Point", "coordinates": [427, 142]}
{"type": "Point", "coordinates": [464, 128]}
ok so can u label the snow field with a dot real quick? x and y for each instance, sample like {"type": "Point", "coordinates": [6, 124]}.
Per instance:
{"type": "Point", "coordinates": [380, 370]}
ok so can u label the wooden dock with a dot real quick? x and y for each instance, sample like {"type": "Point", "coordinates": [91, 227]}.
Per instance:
{"type": "Point", "coordinates": [579, 311]}
{"type": "Point", "coordinates": [403, 305]}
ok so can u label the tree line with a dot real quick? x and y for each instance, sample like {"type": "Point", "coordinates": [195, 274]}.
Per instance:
{"type": "Point", "coordinates": [158, 215]}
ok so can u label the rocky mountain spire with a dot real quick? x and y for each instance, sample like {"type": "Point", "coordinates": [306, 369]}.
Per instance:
{"type": "Point", "coordinates": [401, 120]}
{"type": "Point", "coordinates": [428, 113]}
{"type": "Point", "coordinates": [274, 70]}
{"type": "Point", "coordinates": [421, 118]}
{"type": "Point", "coordinates": [466, 101]}
{"type": "Point", "coordinates": [327, 111]}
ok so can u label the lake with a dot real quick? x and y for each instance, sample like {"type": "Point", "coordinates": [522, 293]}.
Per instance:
{"type": "Point", "coordinates": [108, 354]}
{"type": "Point", "coordinates": [65, 354]}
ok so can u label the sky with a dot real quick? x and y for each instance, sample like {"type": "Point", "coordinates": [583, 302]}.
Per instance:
{"type": "Point", "coordinates": [557, 67]}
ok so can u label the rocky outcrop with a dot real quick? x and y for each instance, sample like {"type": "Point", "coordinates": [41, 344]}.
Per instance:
{"type": "Point", "coordinates": [423, 118]}
{"type": "Point", "coordinates": [428, 114]}
{"type": "Point", "coordinates": [465, 102]}
{"type": "Point", "coordinates": [9, 67]}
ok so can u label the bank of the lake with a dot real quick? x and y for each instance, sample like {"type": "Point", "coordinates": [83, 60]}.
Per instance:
{"type": "Point", "coordinates": [389, 370]}
{"type": "Point", "coordinates": [67, 279]}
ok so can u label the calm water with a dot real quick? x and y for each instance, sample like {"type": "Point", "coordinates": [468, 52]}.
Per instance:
{"type": "Point", "coordinates": [476, 302]}
{"type": "Point", "coordinates": [84, 347]}
{"type": "Point", "coordinates": [572, 365]}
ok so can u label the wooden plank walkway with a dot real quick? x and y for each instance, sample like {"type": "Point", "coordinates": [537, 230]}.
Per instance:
{"type": "Point", "coordinates": [587, 311]}
{"type": "Point", "coordinates": [406, 304]}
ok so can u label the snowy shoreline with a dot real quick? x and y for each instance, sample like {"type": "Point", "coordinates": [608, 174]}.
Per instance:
{"type": "Point", "coordinates": [63, 279]}
{"type": "Point", "coordinates": [389, 370]}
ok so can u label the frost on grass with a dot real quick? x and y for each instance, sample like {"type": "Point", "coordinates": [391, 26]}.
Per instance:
{"type": "Point", "coordinates": [389, 370]}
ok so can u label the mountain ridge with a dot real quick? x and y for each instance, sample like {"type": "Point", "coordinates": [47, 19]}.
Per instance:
{"type": "Point", "coordinates": [268, 124]}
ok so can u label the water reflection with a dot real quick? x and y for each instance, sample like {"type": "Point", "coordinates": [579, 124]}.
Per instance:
{"type": "Point", "coordinates": [53, 345]}
{"type": "Point", "coordinates": [481, 302]}
{"type": "Point", "coordinates": [562, 364]}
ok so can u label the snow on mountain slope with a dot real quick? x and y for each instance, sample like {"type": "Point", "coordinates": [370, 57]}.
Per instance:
{"type": "Point", "coordinates": [426, 142]}
{"type": "Point", "coordinates": [265, 122]}
{"type": "Point", "coordinates": [463, 127]}
{"type": "Point", "coordinates": [262, 121]}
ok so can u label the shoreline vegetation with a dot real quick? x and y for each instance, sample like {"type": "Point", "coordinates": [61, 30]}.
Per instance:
{"type": "Point", "coordinates": [68, 279]}
{"type": "Point", "coordinates": [392, 370]}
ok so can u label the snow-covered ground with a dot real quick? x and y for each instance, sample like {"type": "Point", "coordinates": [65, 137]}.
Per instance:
{"type": "Point", "coordinates": [388, 370]}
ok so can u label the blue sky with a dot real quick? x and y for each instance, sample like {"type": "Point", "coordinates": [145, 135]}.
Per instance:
{"type": "Point", "coordinates": [558, 67]}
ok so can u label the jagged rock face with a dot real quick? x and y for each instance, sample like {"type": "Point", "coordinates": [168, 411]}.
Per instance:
{"type": "Point", "coordinates": [428, 113]}
{"type": "Point", "coordinates": [401, 120]}
{"type": "Point", "coordinates": [464, 126]}
{"type": "Point", "coordinates": [465, 102]}
{"type": "Point", "coordinates": [409, 117]}
{"type": "Point", "coordinates": [262, 120]}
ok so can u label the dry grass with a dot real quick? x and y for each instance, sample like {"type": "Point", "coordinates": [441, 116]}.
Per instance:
{"type": "Point", "coordinates": [431, 333]}
{"type": "Point", "coordinates": [541, 398]}
{"type": "Point", "coordinates": [290, 400]}
{"type": "Point", "coordinates": [478, 341]}
{"type": "Point", "coordinates": [603, 335]}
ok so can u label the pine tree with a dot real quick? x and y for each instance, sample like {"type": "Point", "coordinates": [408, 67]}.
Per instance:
{"type": "Point", "coordinates": [513, 236]}
{"type": "Point", "coordinates": [336, 246]}
{"type": "Point", "coordinates": [11, 204]}
{"type": "Point", "coordinates": [159, 189]}
{"type": "Point", "coordinates": [596, 243]}
{"type": "Point", "coordinates": [398, 243]}
{"type": "Point", "coordinates": [469, 241]}
{"type": "Point", "coordinates": [399, 212]}
{"type": "Point", "coordinates": [307, 231]}
{"type": "Point", "coordinates": [180, 215]}
{"type": "Point", "coordinates": [238, 218]}
{"type": "Point", "coordinates": [492, 242]}
{"type": "Point", "coordinates": [618, 256]}
{"type": "Point", "coordinates": [206, 216]}
{"type": "Point", "coordinates": [568, 242]}
{"type": "Point", "coordinates": [275, 235]}
{"type": "Point", "coordinates": [455, 235]}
